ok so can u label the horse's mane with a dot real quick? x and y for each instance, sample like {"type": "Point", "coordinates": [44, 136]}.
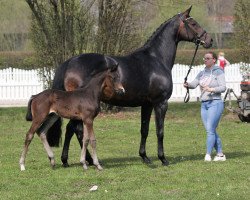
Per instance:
{"type": "Point", "coordinates": [155, 34]}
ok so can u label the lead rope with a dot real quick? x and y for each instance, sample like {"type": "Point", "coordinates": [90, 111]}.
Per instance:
{"type": "Point", "coordinates": [187, 96]}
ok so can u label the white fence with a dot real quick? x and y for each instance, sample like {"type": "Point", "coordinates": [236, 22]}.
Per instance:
{"type": "Point", "coordinates": [16, 86]}
{"type": "Point", "coordinates": [232, 75]}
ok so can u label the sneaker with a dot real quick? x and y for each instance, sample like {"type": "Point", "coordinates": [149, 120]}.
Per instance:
{"type": "Point", "coordinates": [207, 158]}
{"type": "Point", "coordinates": [220, 158]}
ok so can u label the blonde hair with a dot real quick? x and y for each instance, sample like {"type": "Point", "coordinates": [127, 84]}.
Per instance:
{"type": "Point", "coordinates": [221, 54]}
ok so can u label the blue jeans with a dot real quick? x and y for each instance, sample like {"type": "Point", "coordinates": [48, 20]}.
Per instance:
{"type": "Point", "coordinates": [211, 112]}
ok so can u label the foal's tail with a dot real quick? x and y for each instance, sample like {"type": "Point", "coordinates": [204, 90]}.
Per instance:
{"type": "Point", "coordinates": [29, 114]}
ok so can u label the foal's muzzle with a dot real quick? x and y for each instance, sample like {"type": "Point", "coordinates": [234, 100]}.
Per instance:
{"type": "Point", "coordinates": [120, 91]}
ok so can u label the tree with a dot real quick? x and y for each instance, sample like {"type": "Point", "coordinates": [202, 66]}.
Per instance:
{"type": "Point", "coordinates": [59, 30]}
{"type": "Point", "coordinates": [118, 26]}
{"type": "Point", "coordinates": [241, 31]}
{"type": "Point", "coordinates": [216, 10]}
{"type": "Point", "coordinates": [14, 25]}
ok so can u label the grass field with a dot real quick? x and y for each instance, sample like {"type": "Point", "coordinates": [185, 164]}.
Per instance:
{"type": "Point", "coordinates": [124, 175]}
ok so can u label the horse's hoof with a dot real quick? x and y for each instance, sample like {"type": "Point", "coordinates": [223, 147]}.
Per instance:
{"type": "Point", "coordinates": [85, 167]}
{"type": "Point", "coordinates": [65, 165]}
{"type": "Point", "coordinates": [165, 163]}
{"type": "Point", "coordinates": [22, 167]}
{"type": "Point", "coordinates": [146, 160]}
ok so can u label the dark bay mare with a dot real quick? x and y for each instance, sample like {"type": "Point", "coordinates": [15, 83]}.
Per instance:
{"type": "Point", "coordinates": [81, 104]}
{"type": "Point", "coordinates": [145, 75]}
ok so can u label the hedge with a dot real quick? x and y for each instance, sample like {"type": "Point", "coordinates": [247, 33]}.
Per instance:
{"type": "Point", "coordinates": [27, 60]}
{"type": "Point", "coordinates": [185, 56]}
{"type": "Point", "coordinates": [18, 59]}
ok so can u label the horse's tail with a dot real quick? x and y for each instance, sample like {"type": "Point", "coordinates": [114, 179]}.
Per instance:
{"type": "Point", "coordinates": [55, 132]}
{"type": "Point", "coordinates": [29, 113]}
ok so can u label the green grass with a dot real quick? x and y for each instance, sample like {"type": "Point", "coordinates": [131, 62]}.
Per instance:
{"type": "Point", "coordinates": [124, 175]}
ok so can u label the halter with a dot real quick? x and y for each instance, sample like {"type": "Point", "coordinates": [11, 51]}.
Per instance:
{"type": "Point", "coordinates": [197, 37]}
{"type": "Point", "coordinates": [197, 42]}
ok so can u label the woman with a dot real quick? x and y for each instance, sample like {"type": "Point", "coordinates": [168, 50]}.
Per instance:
{"type": "Point", "coordinates": [212, 83]}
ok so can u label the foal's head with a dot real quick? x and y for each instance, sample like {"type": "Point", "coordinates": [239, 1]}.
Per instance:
{"type": "Point", "coordinates": [112, 83]}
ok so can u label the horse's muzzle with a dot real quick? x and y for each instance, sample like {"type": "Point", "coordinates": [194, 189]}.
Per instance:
{"type": "Point", "coordinates": [207, 42]}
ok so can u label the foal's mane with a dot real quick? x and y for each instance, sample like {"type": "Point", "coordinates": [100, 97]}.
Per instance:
{"type": "Point", "coordinates": [92, 77]}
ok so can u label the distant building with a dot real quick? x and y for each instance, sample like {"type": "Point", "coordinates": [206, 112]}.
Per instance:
{"type": "Point", "coordinates": [222, 29]}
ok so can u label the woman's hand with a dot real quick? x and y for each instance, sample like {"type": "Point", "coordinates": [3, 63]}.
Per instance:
{"type": "Point", "coordinates": [185, 85]}
{"type": "Point", "coordinates": [208, 89]}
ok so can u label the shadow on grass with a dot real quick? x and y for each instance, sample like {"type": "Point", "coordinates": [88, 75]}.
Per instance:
{"type": "Point", "coordinates": [229, 155]}
{"type": "Point", "coordinates": [122, 162]}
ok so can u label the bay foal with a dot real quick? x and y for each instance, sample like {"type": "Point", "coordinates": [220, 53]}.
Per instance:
{"type": "Point", "coordinates": [82, 104]}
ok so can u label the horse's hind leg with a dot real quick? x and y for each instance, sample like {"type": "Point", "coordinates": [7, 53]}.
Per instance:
{"type": "Point", "coordinates": [146, 111]}
{"type": "Point", "coordinates": [70, 128]}
{"type": "Point", "coordinates": [28, 139]}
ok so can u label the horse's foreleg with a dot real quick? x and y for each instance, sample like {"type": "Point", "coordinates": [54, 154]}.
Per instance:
{"type": "Point", "coordinates": [93, 146]}
{"type": "Point", "coordinates": [28, 139]}
{"type": "Point", "coordinates": [160, 112]}
{"type": "Point", "coordinates": [47, 148]}
{"type": "Point", "coordinates": [85, 142]}
{"type": "Point", "coordinates": [146, 111]}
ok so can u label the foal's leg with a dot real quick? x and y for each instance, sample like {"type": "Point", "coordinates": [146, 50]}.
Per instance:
{"type": "Point", "coordinates": [146, 111]}
{"type": "Point", "coordinates": [47, 148]}
{"type": "Point", "coordinates": [93, 145]}
{"type": "Point", "coordinates": [42, 130]}
{"type": "Point", "coordinates": [74, 126]}
{"type": "Point", "coordinates": [79, 135]}
{"type": "Point", "coordinates": [85, 142]}
{"type": "Point", "coordinates": [28, 139]}
{"type": "Point", "coordinates": [160, 112]}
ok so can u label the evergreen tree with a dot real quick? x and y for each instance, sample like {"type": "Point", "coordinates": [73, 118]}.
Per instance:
{"type": "Point", "coordinates": [241, 29]}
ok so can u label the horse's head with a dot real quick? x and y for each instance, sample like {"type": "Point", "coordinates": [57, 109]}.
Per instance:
{"type": "Point", "coordinates": [190, 30]}
{"type": "Point", "coordinates": [112, 83]}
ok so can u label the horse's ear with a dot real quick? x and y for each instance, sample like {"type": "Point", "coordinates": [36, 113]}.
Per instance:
{"type": "Point", "coordinates": [186, 13]}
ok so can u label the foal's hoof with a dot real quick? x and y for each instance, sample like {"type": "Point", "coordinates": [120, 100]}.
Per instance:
{"type": "Point", "coordinates": [53, 167]}
{"type": "Point", "coordinates": [22, 167]}
{"type": "Point", "coordinates": [52, 163]}
{"type": "Point", "coordinates": [99, 167]}
{"type": "Point", "coordinates": [85, 167]}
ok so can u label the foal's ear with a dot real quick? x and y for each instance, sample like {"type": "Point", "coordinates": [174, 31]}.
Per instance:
{"type": "Point", "coordinates": [186, 13]}
{"type": "Point", "coordinates": [114, 67]}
